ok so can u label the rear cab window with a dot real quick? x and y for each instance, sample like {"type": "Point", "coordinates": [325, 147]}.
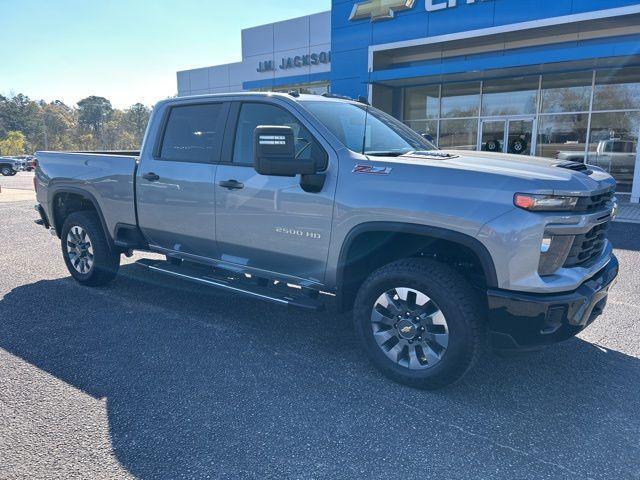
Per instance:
{"type": "Point", "coordinates": [193, 133]}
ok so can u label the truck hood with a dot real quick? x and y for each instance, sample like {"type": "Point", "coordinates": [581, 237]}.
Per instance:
{"type": "Point", "coordinates": [536, 174]}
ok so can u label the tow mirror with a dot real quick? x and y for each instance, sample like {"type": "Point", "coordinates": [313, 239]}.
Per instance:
{"type": "Point", "coordinates": [274, 153]}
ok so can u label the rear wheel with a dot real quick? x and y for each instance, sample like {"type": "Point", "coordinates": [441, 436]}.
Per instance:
{"type": "Point", "coordinates": [86, 250]}
{"type": "Point", "coordinates": [420, 323]}
{"type": "Point", "coordinates": [7, 171]}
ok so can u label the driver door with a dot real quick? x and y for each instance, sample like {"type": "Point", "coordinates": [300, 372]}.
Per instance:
{"type": "Point", "coordinates": [269, 223]}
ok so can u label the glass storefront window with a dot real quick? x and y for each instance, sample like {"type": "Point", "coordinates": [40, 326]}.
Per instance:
{"type": "Point", "coordinates": [460, 100]}
{"type": "Point", "coordinates": [305, 88]}
{"type": "Point", "coordinates": [425, 127]}
{"type": "Point", "coordinates": [566, 92]}
{"type": "Point", "coordinates": [459, 134]}
{"type": "Point", "coordinates": [421, 103]}
{"type": "Point", "coordinates": [617, 89]}
{"type": "Point", "coordinates": [557, 106]}
{"type": "Point", "coordinates": [510, 96]}
{"type": "Point", "coordinates": [614, 145]}
{"type": "Point", "coordinates": [562, 136]}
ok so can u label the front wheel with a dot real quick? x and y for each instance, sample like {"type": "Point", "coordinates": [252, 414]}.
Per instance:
{"type": "Point", "coordinates": [7, 171]}
{"type": "Point", "coordinates": [86, 250]}
{"type": "Point", "coordinates": [420, 323]}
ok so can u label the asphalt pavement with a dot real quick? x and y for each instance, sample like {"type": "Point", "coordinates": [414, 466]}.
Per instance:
{"type": "Point", "coordinates": [20, 181]}
{"type": "Point", "coordinates": [157, 378]}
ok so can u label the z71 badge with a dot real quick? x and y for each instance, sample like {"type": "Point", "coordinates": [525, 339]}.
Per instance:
{"type": "Point", "coordinates": [371, 170]}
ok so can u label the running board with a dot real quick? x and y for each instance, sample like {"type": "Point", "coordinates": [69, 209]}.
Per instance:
{"type": "Point", "coordinates": [224, 281]}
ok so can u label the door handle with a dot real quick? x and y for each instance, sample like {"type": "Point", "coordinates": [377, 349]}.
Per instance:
{"type": "Point", "coordinates": [151, 177]}
{"type": "Point", "coordinates": [231, 185]}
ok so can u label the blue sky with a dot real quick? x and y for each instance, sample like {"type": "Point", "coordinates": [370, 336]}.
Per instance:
{"type": "Point", "coordinates": [127, 51]}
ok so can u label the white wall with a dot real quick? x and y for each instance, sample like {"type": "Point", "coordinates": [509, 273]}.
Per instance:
{"type": "Point", "coordinates": [290, 38]}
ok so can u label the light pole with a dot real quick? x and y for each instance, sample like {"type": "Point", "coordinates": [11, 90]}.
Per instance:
{"type": "Point", "coordinates": [635, 194]}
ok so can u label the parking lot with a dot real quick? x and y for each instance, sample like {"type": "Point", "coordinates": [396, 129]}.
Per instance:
{"type": "Point", "coordinates": [20, 181]}
{"type": "Point", "coordinates": [153, 380]}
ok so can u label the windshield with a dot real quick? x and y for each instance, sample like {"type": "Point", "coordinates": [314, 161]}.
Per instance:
{"type": "Point", "coordinates": [367, 130]}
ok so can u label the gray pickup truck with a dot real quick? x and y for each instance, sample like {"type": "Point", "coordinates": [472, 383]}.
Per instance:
{"type": "Point", "coordinates": [306, 200]}
{"type": "Point", "coordinates": [10, 166]}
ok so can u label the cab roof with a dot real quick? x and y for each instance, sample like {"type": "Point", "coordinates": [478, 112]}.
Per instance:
{"type": "Point", "coordinates": [303, 97]}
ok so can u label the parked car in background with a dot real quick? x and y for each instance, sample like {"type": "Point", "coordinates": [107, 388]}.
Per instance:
{"type": "Point", "coordinates": [29, 162]}
{"type": "Point", "coordinates": [616, 156]}
{"type": "Point", "coordinates": [615, 152]}
{"type": "Point", "coordinates": [10, 166]}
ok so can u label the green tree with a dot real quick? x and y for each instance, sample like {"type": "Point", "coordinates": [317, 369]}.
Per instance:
{"type": "Point", "coordinates": [136, 119]}
{"type": "Point", "coordinates": [60, 124]}
{"type": "Point", "coordinates": [19, 113]}
{"type": "Point", "coordinates": [93, 113]}
{"type": "Point", "coordinates": [13, 144]}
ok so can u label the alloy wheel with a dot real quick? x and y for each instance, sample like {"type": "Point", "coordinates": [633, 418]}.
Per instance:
{"type": "Point", "coordinates": [410, 328]}
{"type": "Point", "coordinates": [80, 250]}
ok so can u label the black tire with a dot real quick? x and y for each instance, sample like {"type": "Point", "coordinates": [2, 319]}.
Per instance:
{"type": "Point", "coordinates": [493, 146]}
{"type": "Point", "coordinates": [456, 299]}
{"type": "Point", "coordinates": [7, 171]}
{"type": "Point", "coordinates": [105, 262]}
{"type": "Point", "coordinates": [519, 146]}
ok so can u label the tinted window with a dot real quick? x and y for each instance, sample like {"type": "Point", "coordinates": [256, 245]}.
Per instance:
{"type": "Point", "coordinates": [510, 96]}
{"type": "Point", "coordinates": [193, 133]}
{"type": "Point", "coordinates": [253, 115]}
{"type": "Point", "coordinates": [566, 134]}
{"type": "Point", "coordinates": [422, 102]}
{"type": "Point", "coordinates": [566, 92]}
{"type": "Point", "coordinates": [460, 100]}
{"type": "Point", "coordinates": [617, 89]}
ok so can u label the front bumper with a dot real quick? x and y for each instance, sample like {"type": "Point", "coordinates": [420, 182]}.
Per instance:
{"type": "Point", "coordinates": [520, 321]}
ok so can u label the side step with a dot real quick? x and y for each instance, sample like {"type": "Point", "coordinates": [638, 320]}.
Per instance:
{"type": "Point", "coordinates": [279, 294]}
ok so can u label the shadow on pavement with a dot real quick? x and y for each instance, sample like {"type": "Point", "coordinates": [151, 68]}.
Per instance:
{"type": "Point", "coordinates": [204, 383]}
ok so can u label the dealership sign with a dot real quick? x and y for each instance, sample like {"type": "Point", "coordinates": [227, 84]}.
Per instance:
{"type": "Point", "coordinates": [298, 61]}
{"type": "Point", "coordinates": [386, 9]}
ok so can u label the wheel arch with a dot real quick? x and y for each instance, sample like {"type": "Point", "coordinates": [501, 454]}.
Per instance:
{"type": "Point", "coordinates": [376, 238]}
{"type": "Point", "coordinates": [65, 200]}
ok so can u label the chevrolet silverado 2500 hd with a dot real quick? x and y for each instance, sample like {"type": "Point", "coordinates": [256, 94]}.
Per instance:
{"type": "Point", "coordinates": [296, 199]}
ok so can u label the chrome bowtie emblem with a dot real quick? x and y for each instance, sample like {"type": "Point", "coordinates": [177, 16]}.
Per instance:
{"type": "Point", "coordinates": [379, 9]}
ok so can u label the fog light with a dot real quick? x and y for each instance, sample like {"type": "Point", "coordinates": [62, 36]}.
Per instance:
{"type": "Point", "coordinates": [554, 251]}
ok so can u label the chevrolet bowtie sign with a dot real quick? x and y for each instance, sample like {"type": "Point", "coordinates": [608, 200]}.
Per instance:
{"type": "Point", "coordinates": [379, 9]}
{"type": "Point", "coordinates": [386, 9]}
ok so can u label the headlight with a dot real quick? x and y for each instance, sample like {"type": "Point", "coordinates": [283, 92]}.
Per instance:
{"type": "Point", "coordinates": [545, 203]}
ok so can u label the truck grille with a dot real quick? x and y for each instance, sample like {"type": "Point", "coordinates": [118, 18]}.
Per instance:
{"type": "Point", "coordinates": [595, 202]}
{"type": "Point", "coordinates": [587, 247]}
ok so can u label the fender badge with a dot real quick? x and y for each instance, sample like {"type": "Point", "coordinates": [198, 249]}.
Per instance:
{"type": "Point", "coordinates": [371, 170]}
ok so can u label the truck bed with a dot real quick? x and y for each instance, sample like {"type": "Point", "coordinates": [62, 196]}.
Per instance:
{"type": "Point", "coordinates": [108, 176]}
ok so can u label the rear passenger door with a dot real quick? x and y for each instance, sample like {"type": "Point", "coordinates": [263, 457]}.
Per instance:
{"type": "Point", "coordinates": [175, 180]}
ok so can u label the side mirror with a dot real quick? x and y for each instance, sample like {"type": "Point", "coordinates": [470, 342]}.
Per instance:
{"type": "Point", "coordinates": [274, 153]}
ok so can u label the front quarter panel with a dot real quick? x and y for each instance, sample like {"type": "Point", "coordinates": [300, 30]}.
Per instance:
{"type": "Point", "coordinates": [418, 194]}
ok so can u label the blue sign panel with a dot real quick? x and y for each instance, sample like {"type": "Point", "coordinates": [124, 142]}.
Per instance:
{"type": "Point", "coordinates": [358, 25]}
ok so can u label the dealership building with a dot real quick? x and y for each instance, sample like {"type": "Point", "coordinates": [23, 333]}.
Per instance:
{"type": "Point", "coordinates": [554, 78]}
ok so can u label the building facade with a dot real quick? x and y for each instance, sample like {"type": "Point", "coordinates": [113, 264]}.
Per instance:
{"type": "Point", "coordinates": [558, 78]}
{"type": "Point", "coordinates": [290, 55]}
